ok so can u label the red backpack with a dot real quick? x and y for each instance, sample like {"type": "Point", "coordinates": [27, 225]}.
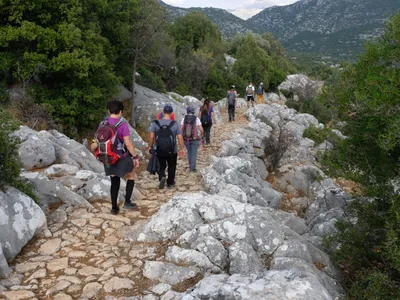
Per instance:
{"type": "Point", "coordinates": [190, 128]}
{"type": "Point", "coordinates": [110, 148]}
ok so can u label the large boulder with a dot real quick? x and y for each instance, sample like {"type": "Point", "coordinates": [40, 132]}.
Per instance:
{"type": "Point", "coordinates": [149, 103]}
{"type": "Point", "coordinates": [301, 86]}
{"type": "Point", "coordinates": [52, 192]}
{"type": "Point", "coordinates": [35, 151]}
{"type": "Point", "coordinates": [20, 219]}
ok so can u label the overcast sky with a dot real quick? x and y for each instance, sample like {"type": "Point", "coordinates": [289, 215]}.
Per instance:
{"type": "Point", "coordinates": [226, 4]}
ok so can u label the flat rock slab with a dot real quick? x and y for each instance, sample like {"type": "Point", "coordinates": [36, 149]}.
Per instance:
{"type": "Point", "coordinates": [167, 272]}
{"type": "Point", "coordinates": [18, 295]}
{"type": "Point", "coordinates": [116, 284]}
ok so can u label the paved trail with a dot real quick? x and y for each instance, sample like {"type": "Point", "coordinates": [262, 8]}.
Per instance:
{"type": "Point", "coordinates": [82, 255]}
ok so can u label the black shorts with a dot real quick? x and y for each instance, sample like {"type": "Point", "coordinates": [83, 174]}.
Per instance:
{"type": "Point", "coordinates": [250, 97]}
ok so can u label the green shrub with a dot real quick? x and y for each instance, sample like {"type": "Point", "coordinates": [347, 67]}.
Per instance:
{"type": "Point", "coordinates": [9, 162]}
{"type": "Point", "coordinates": [313, 107]}
{"type": "Point", "coordinates": [293, 104]}
{"type": "Point", "coordinates": [320, 135]}
{"type": "Point", "coordinates": [151, 81]}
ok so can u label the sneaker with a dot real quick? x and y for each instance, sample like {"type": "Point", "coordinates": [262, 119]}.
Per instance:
{"type": "Point", "coordinates": [115, 211]}
{"type": "Point", "coordinates": [131, 206]}
{"type": "Point", "coordinates": [193, 171]}
{"type": "Point", "coordinates": [171, 186]}
{"type": "Point", "coordinates": [162, 183]}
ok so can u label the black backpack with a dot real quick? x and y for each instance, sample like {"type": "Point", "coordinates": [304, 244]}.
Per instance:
{"type": "Point", "coordinates": [165, 140]}
{"type": "Point", "coordinates": [204, 118]}
{"type": "Point", "coordinates": [232, 98]}
{"type": "Point", "coordinates": [260, 90]}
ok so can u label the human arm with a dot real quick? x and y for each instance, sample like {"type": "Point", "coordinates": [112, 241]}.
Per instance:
{"type": "Point", "coordinates": [152, 138]}
{"type": "Point", "coordinates": [181, 152]}
{"type": "Point", "coordinates": [128, 144]}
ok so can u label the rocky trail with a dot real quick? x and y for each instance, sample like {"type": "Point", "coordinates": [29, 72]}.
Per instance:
{"type": "Point", "coordinates": [84, 255]}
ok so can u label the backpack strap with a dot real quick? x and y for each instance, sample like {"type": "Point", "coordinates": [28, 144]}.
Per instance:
{"type": "Point", "coordinates": [157, 123]}
{"type": "Point", "coordinates": [119, 123]}
{"type": "Point", "coordinates": [171, 124]}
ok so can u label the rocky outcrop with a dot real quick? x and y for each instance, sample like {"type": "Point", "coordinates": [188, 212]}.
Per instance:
{"type": "Point", "coordinates": [20, 220]}
{"type": "Point", "coordinates": [252, 247]}
{"type": "Point", "coordinates": [300, 87]}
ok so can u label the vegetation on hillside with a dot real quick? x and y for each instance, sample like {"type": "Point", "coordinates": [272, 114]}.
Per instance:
{"type": "Point", "coordinates": [366, 96]}
{"type": "Point", "coordinates": [69, 58]}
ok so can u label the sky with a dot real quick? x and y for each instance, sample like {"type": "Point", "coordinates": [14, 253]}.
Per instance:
{"type": "Point", "coordinates": [225, 4]}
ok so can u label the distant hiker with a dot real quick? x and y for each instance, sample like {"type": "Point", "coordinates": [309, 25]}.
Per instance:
{"type": "Point", "coordinates": [231, 102]}
{"type": "Point", "coordinates": [260, 93]}
{"type": "Point", "coordinates": [250, 94]}
{"type": "Point", "coordinates": [192, 132]}
{"type": "Point", "coordinates": [207, 117]}
{"type": "Point", "coordinates": [164, 134]}
{"type": "Point", "coordinates": [161, 116]}
{"type": "Point", "coordinates": [114, 148]}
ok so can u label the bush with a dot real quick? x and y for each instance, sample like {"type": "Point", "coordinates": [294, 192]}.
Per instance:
{"type": "Point", "coordinates": [9, 162]}
{"type": "Point", "coordinates": [320, 135]}
{"type": "Point", "coordinates": [313, 107]}
{"type": "Point", "coordinates": [293, 104]}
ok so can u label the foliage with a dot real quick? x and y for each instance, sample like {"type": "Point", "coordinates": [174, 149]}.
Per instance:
{"type": "Point", "coordinates": [9, 162]}
{"type": "Point", "coordinates": [151, 80]}
{"type": "Point", "coordinates": [320, 135]}
{"type": "Point", "coordinates": [367, 97]}
{"type": "Point", "coordinates": [317, 109]}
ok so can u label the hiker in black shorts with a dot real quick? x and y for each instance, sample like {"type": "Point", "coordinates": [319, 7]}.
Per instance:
{"type": "Point", "coordinates": [250, 91]}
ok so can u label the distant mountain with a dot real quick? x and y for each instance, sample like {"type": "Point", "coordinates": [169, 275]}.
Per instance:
{"type": "Point", "coordinates": [252, 8]}
{"type": "Point", "coordinates": [227, 22]}
{"type": "Point", "coordinates": [330, 27]}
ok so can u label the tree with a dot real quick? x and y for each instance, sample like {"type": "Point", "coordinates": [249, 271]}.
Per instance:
{"type": "Point", "coordinates": [149, 20]}
{"type": "Point", "coordinates": [367, 97]}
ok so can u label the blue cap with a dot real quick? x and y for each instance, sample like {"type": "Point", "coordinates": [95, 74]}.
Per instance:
{"type": "Point", "coordinates": [190, 109]}
{"type": "Point", "coordinates": [168, 109]}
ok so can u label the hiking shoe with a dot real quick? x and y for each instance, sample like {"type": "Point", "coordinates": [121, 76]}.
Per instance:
{"type": "Point", "coordinates": [131, 206]}
{"type": "Point", "coordinates": [115, 211]}
{"type": "Point", "coordinates": [171, 186]}
{"type": "Point", "coordinates": [193, 171]}
{"type": "Point", "coordinates": [162, 183]}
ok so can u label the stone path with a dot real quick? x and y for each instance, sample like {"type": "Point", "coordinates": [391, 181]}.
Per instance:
{"type": "Point", "coordinates": [81, 255]}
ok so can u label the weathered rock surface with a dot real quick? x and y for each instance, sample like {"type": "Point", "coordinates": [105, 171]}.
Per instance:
{"type": "Point", "coordinates": [20, 219]}
{"type": "Point", "coordinates": [301, 86]}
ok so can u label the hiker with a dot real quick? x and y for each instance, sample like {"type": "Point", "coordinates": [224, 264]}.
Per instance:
{"type": "Point", "coordinates": [164, 135]}
{"type": "Point", "coordinates": [250, 94]}
{"type": "Point", "coordinates": [260, 93]}
{"type": "Point", "coordinates": [121, 159]}
{"type": "Point", "coordinates": [231, 101]}
{"type": "Point", "coordinates": [192, 132]}
{"type": "Point", "coordinates": [206, 115]}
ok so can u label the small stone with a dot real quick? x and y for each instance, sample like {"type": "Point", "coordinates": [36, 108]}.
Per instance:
{"type": "Point", "coordinates": [18, 295]}
{"type": "Point", "coordinates": [90, 278]}
{"type": "Point", "coordinates": [57, 264]}
{"type": "Point", "coordinates": [28, 267]}
{"type": "Point", "coordinates": [70, 271]}
{"type": "Point", "coordinates": [107, 275]}
{"type": "Point", "coordinates": [86, 271]}
{"type": "Point", "coordinates": [124, 269]}
{"type": "Point", "coordinates": [91, 290]}
{"type": "Point", "coordinates": [50, 247]}
{"type": "Point", "coordinates": [116, 284]}
{"type": "Point", "coordinates": [76, 254]}
{"type": "Point", "coordinates": [38, 274]}
{"type": "Point", "coordinates": [161, 288]}
{"type": "Point", "coordinates": [62, 296]}
{"type": "Point", "coordinates": [112, 240]}
{"type": "Point", "coordinates": [76, 288]}
{"type": "Point", "coordinates": [47, 233]}
{"type": "Point", "coordinates": [72, 279]}
{"type": "Point", "coordinates": [60, 286]}
{"type": "Point", "coordinates": [109, 231]}
{"type": "Point", "coordinates": [109, 263]}
{"type": "Point", "coordinates": [79, 222]}
{"type": "Point", "coordinates": [96, 221]}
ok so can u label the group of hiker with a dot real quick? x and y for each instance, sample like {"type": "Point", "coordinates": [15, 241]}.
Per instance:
{"type": "Point", "coordinates": [113, 146]}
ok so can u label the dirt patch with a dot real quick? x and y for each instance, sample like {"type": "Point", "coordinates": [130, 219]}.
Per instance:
{"type": "Point", "coordinates": [183, 286]}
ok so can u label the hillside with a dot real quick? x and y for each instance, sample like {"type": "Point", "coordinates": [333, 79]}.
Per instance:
{"type": "Point", "coordinates": [227, 22]}
{"type": "Point", "coordinates": [337, 28]}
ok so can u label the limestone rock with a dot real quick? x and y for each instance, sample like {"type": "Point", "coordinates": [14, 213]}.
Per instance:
{"type": "Point", "coordinates": [116, 284]}
{"type": "Point", "coordinates": [20, 220]}
{"type": "Point", "coordinates": [167, 272]}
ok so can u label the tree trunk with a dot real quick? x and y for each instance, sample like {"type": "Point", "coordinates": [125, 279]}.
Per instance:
{"type": "Point", "coordinates": [133, 102]}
